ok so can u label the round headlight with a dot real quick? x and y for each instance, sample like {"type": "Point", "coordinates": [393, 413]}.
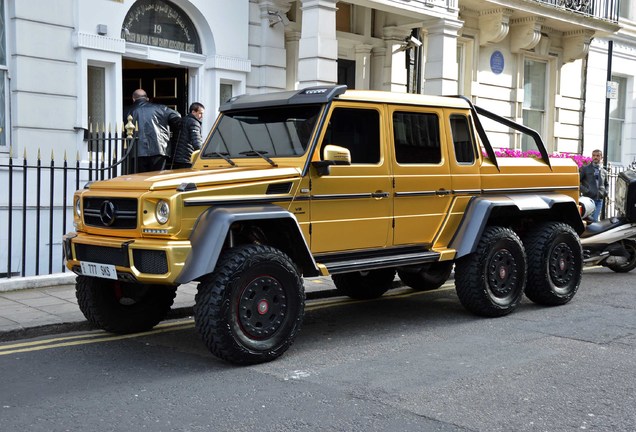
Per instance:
{"type": "Point", "coordinates": [162, 211]}
{"type": "Point", "coordinates": [78, 208]}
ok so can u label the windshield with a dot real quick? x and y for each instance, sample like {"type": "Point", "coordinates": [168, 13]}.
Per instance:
{"type": "Point", "coordinates": [275, 132]}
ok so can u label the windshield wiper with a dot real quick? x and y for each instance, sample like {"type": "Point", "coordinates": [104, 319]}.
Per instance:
{"type": "Point", "coordinates": [225, 157]}
{"type": "Point", "coordinates": [259, 153]}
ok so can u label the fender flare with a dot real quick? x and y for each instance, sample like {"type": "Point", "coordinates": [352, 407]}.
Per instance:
{"type": "Point", "coordinates": [211, 229]}
{"type": "Point", "coordinates": [479, 209]}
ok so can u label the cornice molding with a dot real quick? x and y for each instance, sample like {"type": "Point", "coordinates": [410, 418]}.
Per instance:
{"type": "Point", "coordinates": [494, 25]}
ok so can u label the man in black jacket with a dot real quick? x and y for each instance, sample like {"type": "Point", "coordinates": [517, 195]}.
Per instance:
{"type": "Point", "coordinates": [155, 123]}
{"type": "Point", "coordinates": [189, 136]}
{"type": "Point", "coordinates": [594, 182]}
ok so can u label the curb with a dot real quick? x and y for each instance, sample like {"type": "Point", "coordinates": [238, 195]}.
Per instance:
{"type": "Point", "coordinates": [18, 283]}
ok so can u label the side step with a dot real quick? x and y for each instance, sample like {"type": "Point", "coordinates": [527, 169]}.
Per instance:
{"type": "Point", "coordinates": [356, 261]}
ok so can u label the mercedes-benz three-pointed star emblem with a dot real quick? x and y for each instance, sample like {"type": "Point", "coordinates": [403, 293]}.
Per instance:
{"type": "Point", "coordinates": [107, 213]}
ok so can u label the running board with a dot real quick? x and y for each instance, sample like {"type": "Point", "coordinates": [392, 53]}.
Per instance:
{"type": "Point", "coordinates": [362, 263]}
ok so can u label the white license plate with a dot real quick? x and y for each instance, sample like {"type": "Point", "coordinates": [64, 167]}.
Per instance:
{"type": "Point", "coordinates": [106, 271]}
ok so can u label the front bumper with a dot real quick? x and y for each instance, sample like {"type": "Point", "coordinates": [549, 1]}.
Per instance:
{"type": "Point", "coordinates": [149, 261]}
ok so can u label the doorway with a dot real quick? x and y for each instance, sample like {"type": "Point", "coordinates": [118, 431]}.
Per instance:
{"type": "Point", "coordinates": [164, 85]}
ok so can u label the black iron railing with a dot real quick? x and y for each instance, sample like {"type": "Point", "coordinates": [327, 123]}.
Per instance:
{"type": "Point", "coordinates": [36, 210]}
{"type": "Point", "coordinates": [603, 9]}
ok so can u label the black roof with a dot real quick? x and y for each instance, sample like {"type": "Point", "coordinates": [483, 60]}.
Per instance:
{"type": "Point", "coordinates": [309, 95]}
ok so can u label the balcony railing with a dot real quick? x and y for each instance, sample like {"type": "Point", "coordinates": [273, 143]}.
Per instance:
{"type": "Point", "coordinates": [603, 9]}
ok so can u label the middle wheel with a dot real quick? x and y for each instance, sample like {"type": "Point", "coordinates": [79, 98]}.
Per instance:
{"type": "Point", "coordinates": [491, 280]}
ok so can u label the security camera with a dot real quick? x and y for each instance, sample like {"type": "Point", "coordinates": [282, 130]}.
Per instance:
{"type": "Point", "coordinates": [414, 42]}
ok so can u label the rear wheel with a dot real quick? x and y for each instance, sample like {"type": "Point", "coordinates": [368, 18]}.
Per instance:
{"type": "Point", "coordinates": [630, 263]}
{"type": "Point", "coordinates": [121, 307]}
{"type": "Point", "coordinates": [365, 285]}
{"type": "Point", "coordinates": [490, 281]}
{"type": "Point", "coordinates": [251, 308]}
{"type": "Point", "coordinates": [428, 277]}
{"type": "Point", "coordinates": [555, 264]}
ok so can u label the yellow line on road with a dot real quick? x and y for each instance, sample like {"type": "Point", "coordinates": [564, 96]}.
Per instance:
{"type": "Point", "coordinates": [101, 336]}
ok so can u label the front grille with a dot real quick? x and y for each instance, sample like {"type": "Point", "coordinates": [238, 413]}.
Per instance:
{"type": "Point", "coordinates": [117, 213]}
{"type": "Point", "coordinates": [102, 254]}
{"type": "Point", "coordinates": [150, 261]}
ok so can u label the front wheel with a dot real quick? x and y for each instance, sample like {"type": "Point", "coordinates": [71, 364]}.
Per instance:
{"type": "Point", "coordinates": [555, 264]}
{"type": "Point", "coordinates": [251, 308]}
{"type": "Point", "coordinates": [630, 263]}
{"type": "Point", "coordinates": [364, 285]}
{"type": "Point", "coordinates": [490, 281]}
{"type": "Point", "coordinates": [121, 307]}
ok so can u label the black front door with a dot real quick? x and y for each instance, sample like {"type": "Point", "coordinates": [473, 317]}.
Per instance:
{"type": "Point", "coordinates": [164, 85]}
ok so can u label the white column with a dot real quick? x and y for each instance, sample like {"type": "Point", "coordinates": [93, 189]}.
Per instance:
{"type": "Point", "coordinates": [395, 76]}
{"type": "Point", "coordinates": [440, 69]}
{"type": "Point", "coordinates": [318, 48]}
{"type": "Point", "coordinates": [292, 40]}
{"type": "Point", "coordinates": [363, 66]}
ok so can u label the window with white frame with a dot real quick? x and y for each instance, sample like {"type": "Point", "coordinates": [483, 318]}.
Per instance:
{"type": "Point", "coordinates": [3, 79]}
{"type": "Point", "coordinates": [616, 122]}
{"type": "Point", "coordinates": [534, 99]}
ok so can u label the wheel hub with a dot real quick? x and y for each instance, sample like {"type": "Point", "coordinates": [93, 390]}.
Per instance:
{"type": "Point", "coordinates": [502, 273]}
{"type": "Point", "coordinates": [262, 307]}
{"type": "Point", "coordinates": [561, 264]}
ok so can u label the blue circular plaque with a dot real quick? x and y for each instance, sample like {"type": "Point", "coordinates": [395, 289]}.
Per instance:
{"type": "Point", "coordinates": [497, 62]}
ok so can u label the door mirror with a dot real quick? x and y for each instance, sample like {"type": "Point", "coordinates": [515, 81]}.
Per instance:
{"type": "Point", "coordinates": [194, 156]}
{"type": "Point", "coordinates": [332, 155]}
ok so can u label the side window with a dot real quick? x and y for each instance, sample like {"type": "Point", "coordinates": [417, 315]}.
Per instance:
{"type": "Point", "coordinates": [357, 130]}
{"type": "Point", "coordinates": [464, 149]}
{"type": "Point", "coordinates": [416, 137]}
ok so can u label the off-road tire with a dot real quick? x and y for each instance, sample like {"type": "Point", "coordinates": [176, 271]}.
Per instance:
{"type": "Point", "coordinates": [250, 309]}
{"type": "Point", "coordinates": [121, 307]}
{"type": "Point", "coordinates": [364, 285]}
{"type": "Point", "coordinates": [490, 281]}
{"type": "Point", "coordinates": [555, 263]}
{"type": "Point", "coordinates": [630, 247]}
{"type": "Point", "coordinates": [429, 277]}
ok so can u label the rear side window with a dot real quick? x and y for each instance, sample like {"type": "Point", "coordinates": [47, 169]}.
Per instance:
{"type": "Point", "coordinates": [416, 137]}
{"type": "Point", "coordinates": [464, 149]}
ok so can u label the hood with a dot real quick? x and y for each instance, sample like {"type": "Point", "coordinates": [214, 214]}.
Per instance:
{"type": "Point", "coordinates": [158, 180]}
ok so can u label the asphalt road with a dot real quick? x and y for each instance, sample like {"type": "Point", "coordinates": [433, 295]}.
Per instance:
{"type": "Point", "coordinates": [406, 362]}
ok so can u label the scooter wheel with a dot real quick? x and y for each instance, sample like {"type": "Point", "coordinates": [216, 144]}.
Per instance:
{"type": "Point", "coordinates": [630, 248]}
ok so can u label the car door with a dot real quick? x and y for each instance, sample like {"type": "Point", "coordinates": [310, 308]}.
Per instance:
{"type": "Point", "coordinates": [351, 206]}
{"type": "Point", "coordinates": [423, 189]}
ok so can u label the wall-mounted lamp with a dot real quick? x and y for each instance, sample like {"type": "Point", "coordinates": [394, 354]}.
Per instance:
{"type": "Point", "coordinates": [275, 17]}
{"type": "Point", "coordinates": [102, 29]}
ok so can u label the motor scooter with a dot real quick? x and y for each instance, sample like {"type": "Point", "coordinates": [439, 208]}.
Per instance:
{"type": "Point", "coordinates": [611, 242]}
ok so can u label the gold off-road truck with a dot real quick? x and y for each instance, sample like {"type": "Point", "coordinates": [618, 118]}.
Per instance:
{"type": "Point", "coordinates": [359, 185]}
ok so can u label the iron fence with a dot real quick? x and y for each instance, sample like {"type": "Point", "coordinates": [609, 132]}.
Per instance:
{"type": "Point", "coordinates": [613, 170]}
{"type": "Point", "coordinates": [36, 208]}
{"type": "Point", "coordinates": [603, 9]}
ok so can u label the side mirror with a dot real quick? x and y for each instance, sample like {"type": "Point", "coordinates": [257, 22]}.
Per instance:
{"type": "Point", "coordinates": [194, 156]}
{"type": "Point", "coordinates": [332, 155]}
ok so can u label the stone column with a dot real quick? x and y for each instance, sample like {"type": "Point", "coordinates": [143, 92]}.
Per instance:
{"type": "Point", "coordinates": [292, 39]}
{"type": "Point", "coordinates": [394, 75]}
{"type": "Point", "coordinates": [440, 69]}
{"type": "Point", "coordinates": [363, 66]}
{"type": "Point", "coordinates": [318, 47]}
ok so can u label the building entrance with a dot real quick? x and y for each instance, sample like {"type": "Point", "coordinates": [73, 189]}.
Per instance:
{"type": "Point", "coordinates": [164, 84]}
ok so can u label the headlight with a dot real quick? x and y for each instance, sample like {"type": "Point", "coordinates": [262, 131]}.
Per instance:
{"type": "Point", "coordinates": [78, 207]}
{"type": "Point", "coordinates": [162, 212]}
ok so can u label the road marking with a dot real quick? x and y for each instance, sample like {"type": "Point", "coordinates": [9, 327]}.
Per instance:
{"type": "Point", "coordinates": [185, 324]}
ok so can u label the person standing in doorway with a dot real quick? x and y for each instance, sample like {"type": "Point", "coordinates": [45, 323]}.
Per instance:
{"type": "Point", "coordinates": [190, 138]}
{"type": "Point", "coordinates": [155, 122]}
{"type": "Point", "coordinates": [594, 182]}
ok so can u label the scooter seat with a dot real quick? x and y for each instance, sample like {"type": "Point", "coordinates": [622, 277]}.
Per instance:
{"type": "Point", "coordinates": [602, 226]}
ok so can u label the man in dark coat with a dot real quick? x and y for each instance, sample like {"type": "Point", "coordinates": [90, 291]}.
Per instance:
{"type": "Point", "coordinates": [594, 182]}
{"type": "Point", "coordinates": [156, 123]}
{"type": "Point", "coordinates": [190, 138]}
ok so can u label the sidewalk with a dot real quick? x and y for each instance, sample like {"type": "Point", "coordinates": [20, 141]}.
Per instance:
{"type": "Point", "coordinates": [34, 306]}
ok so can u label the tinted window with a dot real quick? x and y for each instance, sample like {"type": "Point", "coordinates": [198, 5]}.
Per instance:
{"type": "Point", "coordinates": [357, 130]}
{"type": "Point", "coordinates": [416, 138]}
{"type": "Point", "coordinates": [464, 149]}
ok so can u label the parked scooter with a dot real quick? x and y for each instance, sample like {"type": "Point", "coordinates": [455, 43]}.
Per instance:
{"type": "Point", "coordinates": [612, 242]}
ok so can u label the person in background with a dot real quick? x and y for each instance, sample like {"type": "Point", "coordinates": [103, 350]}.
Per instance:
{"type": "Point", "coordinates": [156, 122]}
{"type": "Point", "coordinates": [594, 182]}
{"type": "Point", "coordinates": [190, 138]}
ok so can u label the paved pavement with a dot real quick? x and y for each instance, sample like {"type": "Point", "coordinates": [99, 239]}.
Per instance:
{"type": "Point", "coordinates": [34, 306]}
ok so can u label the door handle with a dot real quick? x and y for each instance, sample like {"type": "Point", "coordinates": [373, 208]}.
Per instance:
{"type": "Point", "coordinates": [442, 192]}
{"type": "Point", "coordinates": [379, 194]}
